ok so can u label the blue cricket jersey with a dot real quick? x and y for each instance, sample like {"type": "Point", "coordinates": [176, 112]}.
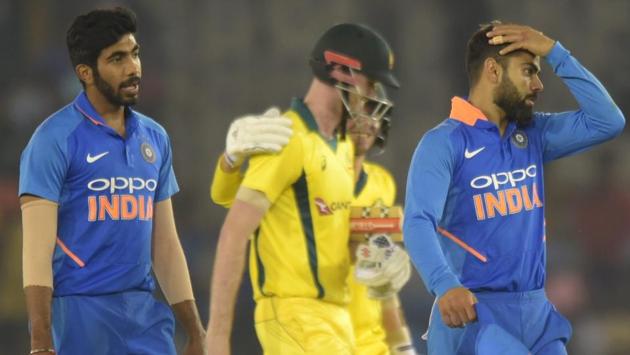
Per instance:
{"type": "Point", "coordinates": [474, 207]}
{"type": "Point", "coordinates": [106, 187]}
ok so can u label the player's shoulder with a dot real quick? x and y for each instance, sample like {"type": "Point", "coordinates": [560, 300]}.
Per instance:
{"type": "Point", "coordinates": [448, 132]}
{"type": "Point", "coordinates": [59, 125]}
{"type": "Point", "coordinates": [379, 172]}
{"type": "Point", "coordinates": [375, 169]}
{"type": "Point", "coordinates": [150, 124]}
{"type": "Point", "coordinates": [298, 126]}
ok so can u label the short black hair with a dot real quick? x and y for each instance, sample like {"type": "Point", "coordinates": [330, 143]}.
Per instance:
{"type": "Point", "coordinates": [90, 33]}
{"type": "Point", "coordinates": [478, 50]}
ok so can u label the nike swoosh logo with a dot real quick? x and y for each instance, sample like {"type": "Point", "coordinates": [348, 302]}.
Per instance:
{"type": "Point", "coordinates": [469, 155]}
{"type": "Point", "coordinates": [91, 159]}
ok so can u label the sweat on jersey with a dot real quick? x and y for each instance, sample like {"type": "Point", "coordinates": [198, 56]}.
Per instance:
{"type": "Point", "coordinates": [474, 207]}
{"type": "Point", "coordinates": [106, 187]}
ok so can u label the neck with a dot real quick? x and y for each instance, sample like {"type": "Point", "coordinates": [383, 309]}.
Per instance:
{"type": "Point", "coordinates": [114, 115]}
{"type": "Point", "coordinates": [358, 165]}
{"type": "Point", "coordinates": [483, 99]}
{"type": "Point", "coordinates": [324, 103]}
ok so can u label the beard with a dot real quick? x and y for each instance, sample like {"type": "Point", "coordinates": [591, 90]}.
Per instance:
{"type": "Point", "coordinates": [513, 103]}
{"type": "Point", "coordinates": [115, 97]}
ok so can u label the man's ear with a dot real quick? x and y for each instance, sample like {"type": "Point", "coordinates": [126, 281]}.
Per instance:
{"type": "Point", "coordinates": [85, 73]}
{"type": "Point", "coordinates": [492, 70]}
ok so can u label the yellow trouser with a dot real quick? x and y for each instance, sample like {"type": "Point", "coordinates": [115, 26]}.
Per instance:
{"type": "Point", "coordinates": [287, 326]}
{"type": "Point", "coordinates": [367, 320]}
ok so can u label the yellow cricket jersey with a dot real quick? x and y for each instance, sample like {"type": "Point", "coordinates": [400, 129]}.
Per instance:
{"type": "Point", "coordinates": [301, 246]}
{"type": "Point", "coordinates": [374, 187]}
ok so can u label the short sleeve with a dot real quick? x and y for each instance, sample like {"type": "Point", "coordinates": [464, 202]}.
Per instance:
{"type": "Point", "coordinates": [167, 183]}
{"type": "Point", "coordinates": [43, 165]}
{"type": "Point", "coordinates": [271, 174]}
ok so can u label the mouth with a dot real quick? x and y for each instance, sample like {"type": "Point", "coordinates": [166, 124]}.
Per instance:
{"type": "Point", "coordinates": [530, 101]}
{"type": "Point", "coordinates": [131, 86]}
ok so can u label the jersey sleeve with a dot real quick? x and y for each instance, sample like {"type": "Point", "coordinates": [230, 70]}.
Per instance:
{"type": "Point", "coordinates": [43, 165]}
{"type": "Point", "coordinates": [271, 174]}
{"type": "Point", "coordinates": [428, 182]}
{"type": "Point", "coordinates": [167, 183]}
{"type": "Point", "coordinates": [224, 185]}
{"type": "Point", "coordinates": [598, 119]}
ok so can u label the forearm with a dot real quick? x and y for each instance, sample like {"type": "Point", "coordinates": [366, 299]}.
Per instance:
{"type": "Point", "coordinates": [169, 261]}
{"type": "Point", "coordinates": [427, 256]}
{"type": "Point", "coordinates": [39, 226]}
{"type": "Point", "coordinates": [38, 305]}
{"type": "Point", "coordinates": [227, 274]}
{"type": "Point", "coordinates": [225, 183]}
{"type": "Point", "coordinates": [398, 336]}
{"type": "Point", "coordinates": [229, 263]}
{"type": "Point", "coordinates": [593, 99]}
{"type": "Point", "coordinates": [188, 316]}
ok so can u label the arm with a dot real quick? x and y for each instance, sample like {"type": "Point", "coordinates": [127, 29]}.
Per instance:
{"type": "Point", "coordinates": [598, 119]}
{"type": "Point", "coordinates": [398, 336]}
{"type": "Point", "coordinates": [39, 226]}
{"type": "Point", "coordinates": [427, 189]}
{"type": "Point", "coordinates": [240, 222]}
{"type": "Point", "coordinates": [225, 183]}
{"type": "Point", "coordinates": [171, 270]}
{"type": "Point", "coordinates": [247, 136]}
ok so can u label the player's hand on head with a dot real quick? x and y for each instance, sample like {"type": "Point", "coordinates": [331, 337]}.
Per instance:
{"type": "Point", "coordinates": [382, 266]}
{"type": "Point", "coordinates": [457, 307]}
{"type": "Point", "coordinates": [519, 37]}
{"type": "Point", "coordinates": [254, 134]}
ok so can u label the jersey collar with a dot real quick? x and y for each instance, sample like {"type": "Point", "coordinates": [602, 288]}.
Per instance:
{"type": "Point", "coordinates": [465, 112]}
{"type": "Point", "coordinates": [83, 105]}
{"type": "Point", "coordinates": [307, 117]}
{"type": "Point", "coordinates": [358, 188]}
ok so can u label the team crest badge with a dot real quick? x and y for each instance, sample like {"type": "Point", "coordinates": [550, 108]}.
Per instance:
{"type": "Point", "coordinates": [519, 139]}
{"type": "Point", "coordinates": [147, 152]}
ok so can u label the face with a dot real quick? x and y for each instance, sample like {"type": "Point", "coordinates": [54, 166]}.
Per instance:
{"type": "Point", "coordinates": [118, 72]}
{"type": "Point", "coordinates": [365, 123]}
{"type": "Point", "coordinates": [519, 87]}
{"type": "Point", "coordinates": [363, 134]}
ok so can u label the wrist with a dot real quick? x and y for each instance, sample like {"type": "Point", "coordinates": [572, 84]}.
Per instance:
{"type": "Point", "coordinates": [229, 163]}
{"type": "Point", "coordinates": [196, 335]}
{"type": "Point", "coordinates": [42, 351]}
{"type": "Point", "coordinates": [41, 338]}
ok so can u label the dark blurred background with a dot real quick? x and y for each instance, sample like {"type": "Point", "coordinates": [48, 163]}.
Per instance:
{"type": "Point", "coordinates": [207, 62]}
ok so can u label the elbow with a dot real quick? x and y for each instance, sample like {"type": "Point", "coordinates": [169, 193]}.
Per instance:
{"type": "Point", "coordinates": [618, 123]}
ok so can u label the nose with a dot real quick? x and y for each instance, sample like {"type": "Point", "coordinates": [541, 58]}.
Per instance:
{"type": "Point", "coordinates": [537, 85]}
{"type": "Point", "coordinates": [134, 67]}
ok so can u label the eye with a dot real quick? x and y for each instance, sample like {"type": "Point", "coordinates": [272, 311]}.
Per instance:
{"type": "Point", "coordinates": [135, 54]}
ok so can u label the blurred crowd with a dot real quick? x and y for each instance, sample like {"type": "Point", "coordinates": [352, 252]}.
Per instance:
{"type": "Point", "coordinates": [206, 62]}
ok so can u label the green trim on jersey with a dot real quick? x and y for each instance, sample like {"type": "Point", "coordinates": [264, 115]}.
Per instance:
{"type": "Point", "coordinates": [363, 177]}
{"type": "Point", "coordinates": [302, 198]}
{"type": "Point", "coordinates": [261, 267]}
{"type": "Point", "coordinates": [300, 107]}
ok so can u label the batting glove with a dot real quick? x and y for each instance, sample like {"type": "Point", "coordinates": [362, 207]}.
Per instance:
{"type": "Point", "coordinates": [253, 134]}
{"type": "Point", "coordinates": [382, 266]}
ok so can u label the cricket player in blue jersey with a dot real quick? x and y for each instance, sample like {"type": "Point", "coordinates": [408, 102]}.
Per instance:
{"type": "Point", "coordinates": [474, 223]}
{"type": "Point", "coordinates": [96, 181]}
